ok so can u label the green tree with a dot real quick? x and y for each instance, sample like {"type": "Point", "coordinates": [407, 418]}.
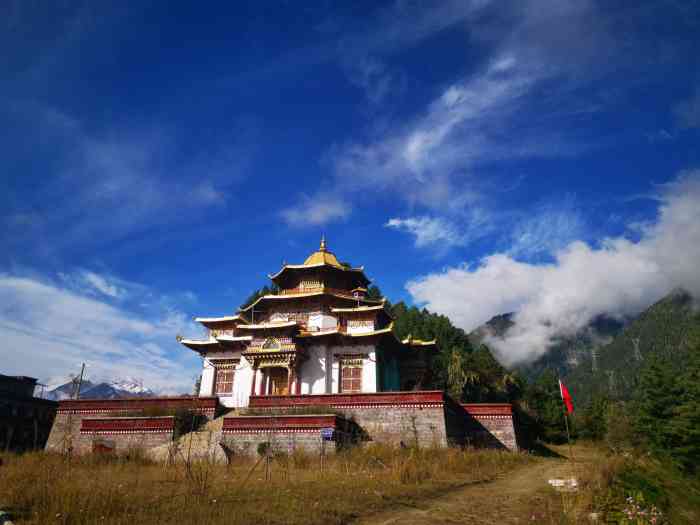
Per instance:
{"type": "Point", "coordinates": [265, 290]}
{"type": "Point", "coordinates": [656, 402]}
{"type": "Point", "coordinates": [592, 421]}
{"type": "Point", "coordinates": [373, 292]}
{"type": "Point", "coordinates": [684, 427]}
{"type": "Point", "coordinates": [543, 403]}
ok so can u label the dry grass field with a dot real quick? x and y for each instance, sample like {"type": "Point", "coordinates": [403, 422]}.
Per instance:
{"type": "Point", "coordinates": [376, 485]}
{"type": "Point", "coordinates": [43, 488]}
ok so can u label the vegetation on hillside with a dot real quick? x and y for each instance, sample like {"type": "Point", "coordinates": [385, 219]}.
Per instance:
{"type": "Point", "coordinates": [663, 331]}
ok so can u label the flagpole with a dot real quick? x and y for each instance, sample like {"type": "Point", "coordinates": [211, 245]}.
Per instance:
{"type": "Point", "coordinates": [566, 422]}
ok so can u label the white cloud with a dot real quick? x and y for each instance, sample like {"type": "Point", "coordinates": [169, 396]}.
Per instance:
{"type": "Point", "coordinates": [316, 210]}
{"type": "Point", "coordinates": [48, 330]}
{"type": "Point", "coordinates": [434, 161]}
{"type": "Point", "coordinates": [546, 230]}
{"type": "Point", "coordinates": [620, 277]}
{"type": "Point", "coordinates": [428, 230]}
{"type": "Point", "coordinates": [102, 285]}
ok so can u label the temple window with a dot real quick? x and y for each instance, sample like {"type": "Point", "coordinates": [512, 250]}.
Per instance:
{"type": "Point", "coordinates": [351, 375]}
{"type": "Point", "coordinates": [224, 371]}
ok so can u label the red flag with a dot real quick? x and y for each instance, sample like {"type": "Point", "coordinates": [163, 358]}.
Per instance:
{"type": "Point", "coordinates": [566, 397]}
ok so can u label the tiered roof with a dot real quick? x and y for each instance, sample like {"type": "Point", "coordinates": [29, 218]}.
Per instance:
{"type": "Point", "coordinates": [322, 258]}
{"type": "Point", "coordinates": [353, 292]}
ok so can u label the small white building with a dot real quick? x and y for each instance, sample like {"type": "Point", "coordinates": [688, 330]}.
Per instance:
{"type": "Point", "coordinates": [319, 334]}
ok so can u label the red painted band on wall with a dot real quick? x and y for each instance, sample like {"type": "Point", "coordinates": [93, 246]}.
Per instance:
{"type": "Point", "coordinates": [488, 409]}
{"type": "Point", "coordinates": [128, 424]}
{"type": "Point", "coordinates": [199, 404]}
{"type": "Point", "coordinates": [427, 398]}
{"type": "Point", "coordinates": [279, 423]}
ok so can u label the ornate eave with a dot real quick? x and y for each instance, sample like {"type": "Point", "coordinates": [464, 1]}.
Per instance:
{"type": "Point", "coordinates": [216, 320]}
{"type": "Point", "coordinates": [319, 333]}
{"type": "Point", "coordinates": [200, 346]}
{"type": "Point", "coordinates": [290, 296]}
{"type": "Point", "coordinates": [381, 331]}
{"type": "Point", "coordinates": [358, 309]}
{"type": "Point", "coordinates": [234, 341]}
{"type": "Point", "coordinates": [269, 326]}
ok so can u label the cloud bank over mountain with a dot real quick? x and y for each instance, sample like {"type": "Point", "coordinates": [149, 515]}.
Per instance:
{"type": "Point", "coordinates": [617, 276]}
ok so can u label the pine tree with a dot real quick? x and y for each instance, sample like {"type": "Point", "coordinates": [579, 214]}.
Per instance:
{"type": "Point", "coordinates": [684, 427]}
{"type": "Point", "coordinates": [656, 400]}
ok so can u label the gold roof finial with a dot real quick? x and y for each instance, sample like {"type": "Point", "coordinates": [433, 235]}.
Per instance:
{"type": "Point", "coordinates": [322, 248]}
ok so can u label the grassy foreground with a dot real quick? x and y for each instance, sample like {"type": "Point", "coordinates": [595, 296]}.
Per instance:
{"type": "Point", "coordinates": [45, 488]}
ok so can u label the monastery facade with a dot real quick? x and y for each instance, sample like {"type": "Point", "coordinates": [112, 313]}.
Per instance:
{"type": "Point", "coordinates": [315, 361]}
{"type": "Point", "coordinates": [319, 334]}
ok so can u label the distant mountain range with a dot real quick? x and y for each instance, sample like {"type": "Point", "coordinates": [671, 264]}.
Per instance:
{"type": "Point", "coordinates": [105, 390]}
{"type": "Point", "coordinates": [605, 356]}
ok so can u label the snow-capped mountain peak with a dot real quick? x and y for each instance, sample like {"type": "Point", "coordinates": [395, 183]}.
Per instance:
{"type": "Point", "coordinates": [113, 389]}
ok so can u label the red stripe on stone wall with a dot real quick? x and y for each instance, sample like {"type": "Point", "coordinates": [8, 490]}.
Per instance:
{"type": "Point", "coordinates": [413, 398]}
{"type": "Point", "coordinates": [259, 423]}
{"type": "Point", "coordinates": [488, 409]}
{"type": "Point", "coordinates": [128, 424]}
{"type": "Point", "coordinates": [203, 404]}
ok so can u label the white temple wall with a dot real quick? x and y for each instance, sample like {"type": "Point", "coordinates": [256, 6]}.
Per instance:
{"type": "Point", "coordinates": [206, 387]}
{"type": "Point", "coordinates": [360, 328]}
{"type": "Point", "coordinates": [314, 375]}
{"type": "Point", "coordinates": [241, 385]}
{"type": "Point", "coordinates": [241, 380]}
{"type": "Point", "coordinates": [322, 321]}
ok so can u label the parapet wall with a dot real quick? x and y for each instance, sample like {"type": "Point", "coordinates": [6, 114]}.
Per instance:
{"type": "Point", "coordinates": [490, 425]}
{"type": "Point", "coordinates": [78, 423]}
{"type": "Point", "coordinates": [244, 434]}
{"type": "Point", "coordinates": [416, 418]}
{"type": "Point", "coordinates": [412, 418]}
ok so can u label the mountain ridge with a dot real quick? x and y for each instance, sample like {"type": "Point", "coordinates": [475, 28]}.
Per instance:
{"type": "Point", "coordinates": [116, 388]}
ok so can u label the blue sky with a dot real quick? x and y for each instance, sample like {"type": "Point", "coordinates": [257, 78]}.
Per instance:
{"type": "Point", "coordinates": [158, 160]}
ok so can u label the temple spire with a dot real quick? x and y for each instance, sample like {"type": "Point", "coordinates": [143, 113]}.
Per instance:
{"type": "Point", "coordinates": [322, 248]}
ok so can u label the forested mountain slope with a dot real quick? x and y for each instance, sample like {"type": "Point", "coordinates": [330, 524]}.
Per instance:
{"type": "Point", "coordinates": [664, 330]}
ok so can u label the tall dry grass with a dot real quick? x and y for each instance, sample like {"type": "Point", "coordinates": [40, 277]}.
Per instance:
{"type": "Point", "coordinates": [44, 488]}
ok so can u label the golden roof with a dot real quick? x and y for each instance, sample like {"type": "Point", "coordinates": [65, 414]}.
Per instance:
{"type": "Point", "coordinates": [323, 257]}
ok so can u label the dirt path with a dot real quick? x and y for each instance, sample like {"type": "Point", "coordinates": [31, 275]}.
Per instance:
{"type": "Point", "coordinates": [512, 498]}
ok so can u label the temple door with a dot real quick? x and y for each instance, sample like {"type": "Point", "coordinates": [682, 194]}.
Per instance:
{"type": "Point", "coordinates": [279, 382]}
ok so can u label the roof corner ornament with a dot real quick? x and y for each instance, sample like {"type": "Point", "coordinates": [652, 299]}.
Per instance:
{"type": "Point", "coordinates": [179, 338]}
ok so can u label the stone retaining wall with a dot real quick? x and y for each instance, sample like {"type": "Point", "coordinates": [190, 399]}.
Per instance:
{"type": "Point", "coordinates": [121, 435]}
{"type": "Point", "coordinates": [244, 434]}
{"type": "Point", "coordinates": [412, 418]}
{"type": "Point", "coordinates": [66, 430]}
{"type": "Point", "coordinates": [490, 425]}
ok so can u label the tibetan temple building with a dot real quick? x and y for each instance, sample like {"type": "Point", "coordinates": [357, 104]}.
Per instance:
{"type": "Point", "coordinates": [315, 360]}
{"type": "Point", "coordinates": [318, 334]}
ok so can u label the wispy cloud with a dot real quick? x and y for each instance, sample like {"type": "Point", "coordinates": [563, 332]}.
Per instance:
{"type": "Point", "coordinates": [434, 161]}
{"type": "Point", "coordinates": [105, 185]}
{"type": "Point", "coordinates": [619, 278]}
{"type": "Point", "coordinates": [316, 210]}
{"type": "Point", "coordinates": [546, 229]}
{"type": "Point", "coordinates": [428, 230]}
{"type": "Point", "coordinates": [56, 328]}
